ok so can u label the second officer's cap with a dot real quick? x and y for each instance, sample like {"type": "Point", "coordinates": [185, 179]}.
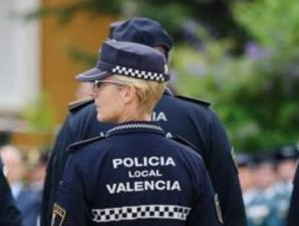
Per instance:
{"type": "Point", "coordinates": [128, 59]}
{"type": "Point", "coordinates": [141, 30]}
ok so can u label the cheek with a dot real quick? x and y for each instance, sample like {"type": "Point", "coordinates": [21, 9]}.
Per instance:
{"type": "Point", "coordinates": [109, 106]}
{"type": "Point", "coordinates": [116, 105]}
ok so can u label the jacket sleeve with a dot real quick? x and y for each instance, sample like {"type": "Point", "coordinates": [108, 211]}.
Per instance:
{"type": "Point", "coordinates": [70, 207]}
{"type": "Point", "coordinates": [204, 209]}
{"type": "Point", "coordinates": [224, 176]}
{"type": "Point", "coordinates": [9, 214]}
{"type": "Point", "coordinates": [292, 219]}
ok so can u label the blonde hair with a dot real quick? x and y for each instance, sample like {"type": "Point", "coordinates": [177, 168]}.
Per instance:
{"type": "Point", "coordinates": [148, 92]}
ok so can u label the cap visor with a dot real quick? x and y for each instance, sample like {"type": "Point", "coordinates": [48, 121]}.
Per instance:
{"type": "Point", "coordinates": [92, 75]}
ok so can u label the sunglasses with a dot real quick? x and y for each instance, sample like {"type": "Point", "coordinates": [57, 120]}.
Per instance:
{"type": "Point", "coordinates": [98, 83]}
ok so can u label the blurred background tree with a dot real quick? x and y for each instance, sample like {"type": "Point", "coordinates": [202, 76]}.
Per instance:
{"type": "Point", "coordinates": [177, 16]}
{"type": "Point", "coordinates": [254, 93]}
{"type": "Point", "coordinates": [241, 55]}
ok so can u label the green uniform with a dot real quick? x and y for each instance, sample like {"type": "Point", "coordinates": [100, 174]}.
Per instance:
{"type": "Point", "coordinates": [261, 209]}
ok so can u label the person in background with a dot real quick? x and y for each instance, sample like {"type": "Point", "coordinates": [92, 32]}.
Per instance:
{"type": "Point", "coordinates": [286, 158]}
{"type": "Point", "coordinates": [9, 213]}
{"type": "Point", "coordinates": [27, 200]}
{"type": "Point", "coordinates": [179, 116]}
{"type": "Point", "coordinates": [260, 207]}
{"type": "Point", "coordinates": [286, 161]}
{"type": "Point", "coordinates": [37, 173]}
{"type": "Point", "coordinates": [246, 176]}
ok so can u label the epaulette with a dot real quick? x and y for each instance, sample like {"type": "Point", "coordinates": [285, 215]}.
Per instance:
{"type": "Point", "coordinates": [78, 144]}
{"type": "Point", "coordinates": [78, 104]}
{"type": "Point", "coordinates": [184, 141]}
{"type": "Point", "coordinates": [196, 101]}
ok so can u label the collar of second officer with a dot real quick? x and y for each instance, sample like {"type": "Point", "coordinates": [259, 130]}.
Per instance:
{"type": "Point", "coordinates": [136, 127]}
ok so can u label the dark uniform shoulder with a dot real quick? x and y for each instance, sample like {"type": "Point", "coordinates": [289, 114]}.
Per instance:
{"type": "Point", "coordinates": [194, 100]}
{"type": "Point", "coordinates": [184, 141]}
{"type": "Point", "coordinates": [74, 146]}
{"type": "Point", "coordinates": [79, 104]}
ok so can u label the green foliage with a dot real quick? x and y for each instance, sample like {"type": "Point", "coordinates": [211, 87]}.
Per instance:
{"type": "Point", "coordinates": [255, 95]}
{"type": "Point", "coordinates": [273, 23]}
{"type": "Point", "coordinates": [81, 56]}
{"type": "Point", "coordinates": [173, 14]}
{"type": "Point", "coordinates": [66, 12]}
{"type": "Point", "coordinates": [40, 116]}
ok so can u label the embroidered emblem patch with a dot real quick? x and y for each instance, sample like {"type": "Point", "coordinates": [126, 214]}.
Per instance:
{"type": "Point", "coordinates": [58, 215]}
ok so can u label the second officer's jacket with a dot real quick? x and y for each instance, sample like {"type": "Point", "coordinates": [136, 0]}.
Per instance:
{"type": "Point", "coordinates": [135, 176]}
{"type": "Point", "coordinates": [178, 116]}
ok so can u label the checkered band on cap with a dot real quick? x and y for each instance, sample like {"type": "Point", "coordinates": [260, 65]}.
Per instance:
{"type": "Point", "coordinates": [173, 212]}
{"type": "Point", "coordinates": [135, 73]}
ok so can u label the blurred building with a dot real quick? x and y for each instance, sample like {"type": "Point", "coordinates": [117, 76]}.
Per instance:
{"type": "Point", "coordinates": [35, 60]}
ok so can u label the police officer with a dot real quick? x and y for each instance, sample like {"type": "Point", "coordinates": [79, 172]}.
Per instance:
{"type": "Point", "coordinates": [245, 162]}
{"type": "Point", "coordinates": [135, 176]}
{"type": "Point", "coordinates": [178, 116]}
{"type": "Point", "coordinates": [9, 214]}
{"type": "Point", "coordinates": [285, 167]}
{"type": "Point", "coordinates": [260, 205]}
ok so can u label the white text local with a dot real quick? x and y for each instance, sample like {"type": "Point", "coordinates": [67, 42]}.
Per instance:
{"type": "Point", "coordinates": [144, 173]}
{"type": "Point", "coordinates": [151, 161]}
{"type": "Point", "coordinates": [141, 186]}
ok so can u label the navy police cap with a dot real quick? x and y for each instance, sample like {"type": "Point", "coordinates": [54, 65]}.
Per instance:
{"type": "Point", "coordinates": [243, 159]}
{"type": "Point", "coordinates": [128, 59]}
{"type": "Point", "coordinates": [287, 152]}
{"type": "Point", "coordinates": [141, 30]}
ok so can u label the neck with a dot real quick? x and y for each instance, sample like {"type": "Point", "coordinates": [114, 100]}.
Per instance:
{"type": "Point", "coordinates": [134, 117]}
{"type": "Point", "coordinates": [132, 112]}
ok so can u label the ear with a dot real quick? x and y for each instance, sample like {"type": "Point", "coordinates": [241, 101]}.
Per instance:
{"type": "Point", "coordinates": [128, 94]}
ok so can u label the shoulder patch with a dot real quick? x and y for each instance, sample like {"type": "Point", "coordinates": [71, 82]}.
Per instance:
{"type": "Point", "coordinates": [196, 101]}
{"type": "Point", "coordinates": [78, 104]}
{"type": "Point", "coordinates": [77, 144]}
{"type": "Point", "coordinates": [184, 141]}
{"type": "Point", "coordinates": [58, 215]}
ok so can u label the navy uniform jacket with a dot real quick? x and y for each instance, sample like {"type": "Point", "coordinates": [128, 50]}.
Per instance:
{"type": "Point", "coordinates": [293, 219]}
{"type": "Point", "coordinates": [135, 176]}
{"type": "Point", "coordinates": [193, 120]}
{"type": "Point", "coordinates": [9, 214]}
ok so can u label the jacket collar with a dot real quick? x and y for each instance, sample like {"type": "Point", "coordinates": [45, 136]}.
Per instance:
{"type": "Point", "coordinates": [136, 127]}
